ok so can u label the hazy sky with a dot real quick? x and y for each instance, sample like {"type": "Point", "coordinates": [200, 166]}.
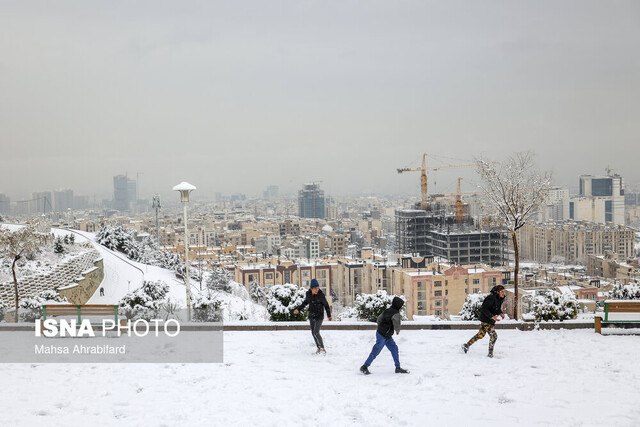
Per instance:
{"type": "Point", "coordinates": [233, 96]}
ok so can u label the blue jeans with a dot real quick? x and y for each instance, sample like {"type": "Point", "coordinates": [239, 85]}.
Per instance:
{"type": "Point", "coordinates": [377, 348]}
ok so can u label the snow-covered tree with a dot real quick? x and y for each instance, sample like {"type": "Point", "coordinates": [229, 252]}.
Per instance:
{"type": "Point", "coordinates": [555, 306]}
{"type": "Point", "coordinates": [472, 306]}
{"type": "Point", "coordinates": [145, 302]}
{"type": "Point", "coordinates": [23, 242]}
{"type": "Point", "coordinates": [514, 192]}
{"type": "Point", "coordinates": [58, 246]}
{"type": "Point", "coordinates": [370, 306]}
{"type": "Point", "coordinates": [282, 300]}
{"type": "Point", "coordinates": [220, 280]}
{"type": "Point", "coordinates": [114, 236]}
{"type": "Point", "coordinates": [257, 292]}
{"type": "Point", "coordinates": [625, 291]}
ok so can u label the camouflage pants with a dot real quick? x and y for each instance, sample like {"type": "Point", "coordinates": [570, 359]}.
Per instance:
{"type": "Point", "coordinates": [484, 328]}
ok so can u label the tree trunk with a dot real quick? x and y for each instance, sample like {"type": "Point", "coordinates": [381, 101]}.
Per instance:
{"type": "Point", "coordinates": [515, 271]}
{"type": "Point", "coordinates": [15, 284]}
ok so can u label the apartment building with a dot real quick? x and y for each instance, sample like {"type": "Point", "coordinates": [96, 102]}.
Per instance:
{"type": "Point", "coordinates": [572, 241]}
{"type": "Point", "coordinates": [609, 266]}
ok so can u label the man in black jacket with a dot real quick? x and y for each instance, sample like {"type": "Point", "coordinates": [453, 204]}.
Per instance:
{"type": "Point", "coordinates": [490, 312]}
{"type": "Point", "coordinates": [317, 304]}
{"type": "Point", "coordinates": [388, 322]}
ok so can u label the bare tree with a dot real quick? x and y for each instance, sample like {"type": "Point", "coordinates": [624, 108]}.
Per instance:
{"type": "Point", "coordinates": [17, 244]}
{"type": "Point", "coordinates": [514, 190]}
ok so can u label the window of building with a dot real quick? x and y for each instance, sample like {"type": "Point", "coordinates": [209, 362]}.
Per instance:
{"type": "Point", "coordinates": [476, 290]}
{"type": "Point", "coordinates": [437, 283]}
{"type": "Point", "coordinates": [438, 312]}
{"type": "Point", "coordinates": [438, 303]}
{"type": "Point", "coordinates": [476, 281]}
{"type": "Point", "coordinates": [269, 276]}
{"type": "Point", "coordinates": [437, 294]}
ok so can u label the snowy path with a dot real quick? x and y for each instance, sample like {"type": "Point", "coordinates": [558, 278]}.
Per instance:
{"type": "Point", "coordinates": [120, 275]}
{"type": "Point", "coordinates": [542, 378]}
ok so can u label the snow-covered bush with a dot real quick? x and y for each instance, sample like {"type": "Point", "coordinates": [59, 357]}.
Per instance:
{"type": "Point", "coordinates": [31, 307]}
{"type": "Point", "coordinates": [219, 280]}
{"type": "Point", "coordinates": [472, 306]}
{"type": "Point", "coordinates": [370, 306]}
{"type": "Point", "coordinates": [628, 291]}
{"type": "Point", "coordinates": [145, 302]}
{"type": "Point", "coordinates": [341, 312]}
{"type": "Point", "coordinates": [282, 300]}
{"type": "Point", "coordinates": [207, 308]}
{"type": "Point", "coordinates": [555, 306]}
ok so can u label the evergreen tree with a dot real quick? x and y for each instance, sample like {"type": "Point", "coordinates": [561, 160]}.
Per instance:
{"type": "Point", "coordinates": [219, 280]}
{"type": "Point", "coordinates": [58, 247]}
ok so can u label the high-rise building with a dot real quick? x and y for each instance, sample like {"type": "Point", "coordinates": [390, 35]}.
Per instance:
{"type": "Point", "coordinates": [271, 192]}
{"type": "Point", "coordinates": [572, 241]}
{"type": "Point", "coordinates": [124, 192]}
{"type": "Point", "coordinates": [41, 203]}
{"type": "Point", "coordinates": [557, 205]}
{"type": "Point", "coordinates": [311, 201]}
{"type": "Point", "coordinates": [5, 204]}
{"type": "Point", "coordinates": [62, 200]}
{"type": "Point", "coordinates": [435, 234]}
{"type": "Point", "coordinates": [610, 189]}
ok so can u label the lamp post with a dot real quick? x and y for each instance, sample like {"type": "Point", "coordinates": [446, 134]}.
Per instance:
{"type": "Point", "coordinates": [185, 188]}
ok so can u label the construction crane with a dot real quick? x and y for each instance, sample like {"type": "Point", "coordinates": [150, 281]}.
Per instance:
{"type": "Point", "coordinates": [459, 204]}
{"type": "Point", "coordinates": [423, 176]}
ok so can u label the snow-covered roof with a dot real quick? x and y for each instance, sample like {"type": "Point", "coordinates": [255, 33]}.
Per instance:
{"type": "Point", "coordinates": [184, 186]}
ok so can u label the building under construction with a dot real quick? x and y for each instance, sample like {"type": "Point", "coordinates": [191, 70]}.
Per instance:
{"type": "Point", "coordinates": [436, 233]}
{"type": "Point", "coordinates": [433, 230]}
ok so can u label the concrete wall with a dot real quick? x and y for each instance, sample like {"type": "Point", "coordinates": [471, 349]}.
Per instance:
{"type": "Point", "coordinates": [85, 286]}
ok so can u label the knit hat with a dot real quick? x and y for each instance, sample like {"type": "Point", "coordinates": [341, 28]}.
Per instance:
{"type": "Point", "coordinates": [314, 284]}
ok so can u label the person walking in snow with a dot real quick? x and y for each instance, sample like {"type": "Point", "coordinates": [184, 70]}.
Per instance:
{"type": "Point", "coordinates": [388, 322]}
{"type": "Point", "coordinates": [317, 305]}
{"type": "Point", "coordinates": [490, 312]}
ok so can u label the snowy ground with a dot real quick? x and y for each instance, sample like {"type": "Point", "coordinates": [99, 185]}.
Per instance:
{"type": "Point", "coordinates": [547, 378]}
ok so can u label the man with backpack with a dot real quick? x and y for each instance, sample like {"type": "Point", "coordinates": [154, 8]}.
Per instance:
{"type": "Point", "coordinates": [388, 322]}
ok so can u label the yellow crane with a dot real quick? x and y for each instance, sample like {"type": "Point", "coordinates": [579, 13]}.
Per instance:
{"type": "Point", "coordinates": [423, 176]}
{"type": "Point", "coordinates": [459, 204]}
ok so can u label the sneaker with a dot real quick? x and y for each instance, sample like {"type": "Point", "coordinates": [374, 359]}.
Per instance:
{"type": "Point", "coordinates": [319, 350]}
{"type": "Point", "coordinates": [399, 370]}
{"type": "Point", "coordinates": [322, 350]}
{"type": "Point", "coordinates": [364, 370]}
{"type": "Point", "coordinates": [465, 348]}
{"type": "Point", "coordinates": [490, 355]}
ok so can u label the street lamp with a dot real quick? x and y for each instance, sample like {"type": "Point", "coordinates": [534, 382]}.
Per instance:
{"type": "Point", "coordinates": [185, 188]}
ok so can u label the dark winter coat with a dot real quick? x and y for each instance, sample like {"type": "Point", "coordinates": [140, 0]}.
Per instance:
{"type": "Point", "coordinates": [491, 306]}
{"type": "Point", "coordinates": [389, 320]}
{"type": "Point", "coordinates": [316, 303]}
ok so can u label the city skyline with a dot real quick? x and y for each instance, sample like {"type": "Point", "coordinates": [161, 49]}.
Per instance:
{"type": "Point", "coordinates": [233, 98]}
